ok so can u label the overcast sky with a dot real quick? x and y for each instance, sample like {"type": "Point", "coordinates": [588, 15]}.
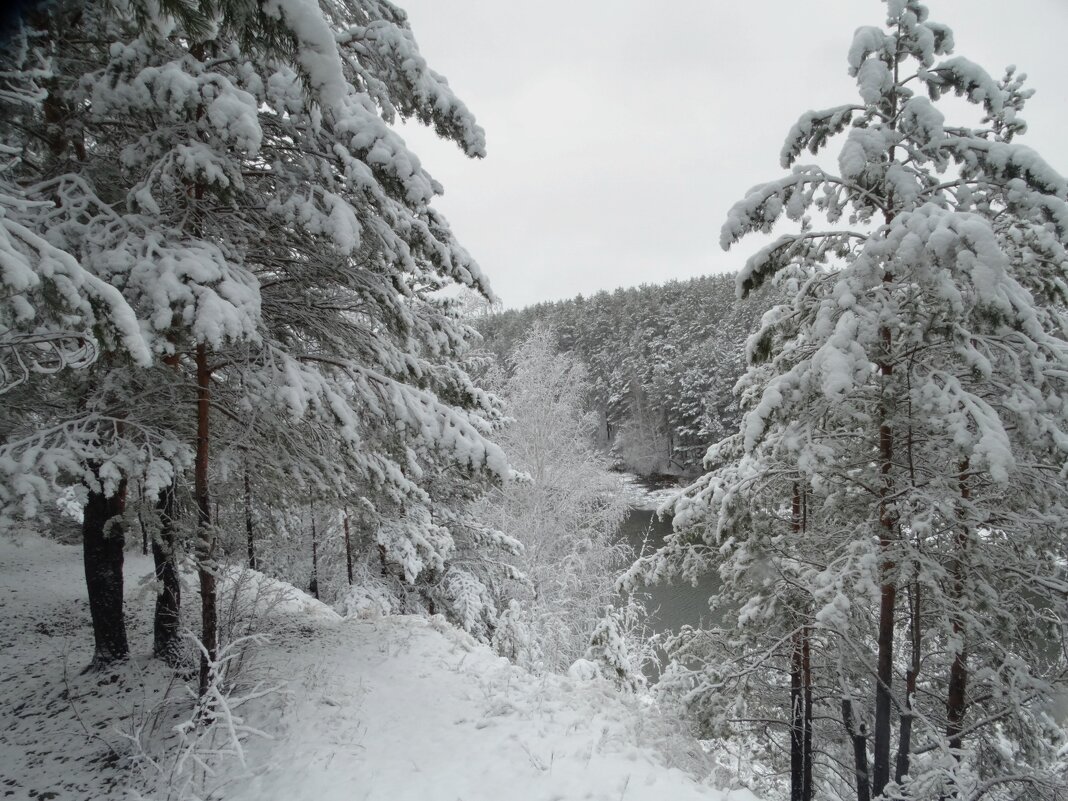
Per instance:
{"type": "Point", "coordinates": [620, 132]}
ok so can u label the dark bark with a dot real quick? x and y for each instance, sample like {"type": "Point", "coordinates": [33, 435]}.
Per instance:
{"type": "Point", "coordinates": [860, 751]}
{"type": "Point", "coordinates": [956, 700]}
{"type": "Point", "coordinates": [797, 724]}
{"type": "Point", "coordinates": [103, 534]}
{"type": "Point", "coordinates": [250, 534]}
{"type": "Point", "coordinates": [141, 519]}
{"type": "Point", "coordinates": [209, 624]}
{"type": "Point", "coordinates": [800, 693]}
{"type": "Point", "coordinates": [904, 741]}
{"type": "Point", "coordinates": [313, 585]}
{"type": "Point", "coordinates": [166, 622]}
{"type": "Point", "coordinates": [348, 548]}
{"type": "Point", "coordinates": [806, 679]}
{"type": "Point", "coordinates": [888, 590]}
{"type": "Point", "coordinates": [382, 559]}
{"type": "Point", "coordinates": [103, 539]}
{"type": "Point", "coordinates": [956, 703]}
{"type": "Point", "coordinates": [883, 697]}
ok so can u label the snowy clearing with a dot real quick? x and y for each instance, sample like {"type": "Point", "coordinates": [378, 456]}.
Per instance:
{"type": "Point", "coordinates": [391, 708]}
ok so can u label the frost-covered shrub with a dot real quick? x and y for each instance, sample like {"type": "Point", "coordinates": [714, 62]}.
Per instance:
{"type": "Point", "coordinates": [469, 600]}
{"type": "Point", "coordinates": [621, 646]}
{"type": "Point", "coordinates": [366, 599]}
{"type": "Point", "coordinates": [565, 514]}
{"type": "Point", "coordinates": [512, 636]}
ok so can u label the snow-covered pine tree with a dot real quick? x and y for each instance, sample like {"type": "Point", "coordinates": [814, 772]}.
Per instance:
{"type": "Point", "coordinates": [63, 314]}
{"type": "Point", "coordinates": [888, 522]}
{"type": "Point", "coordinates": [53, 310]}
{"type": "Point", "coordinates": [276, 238]}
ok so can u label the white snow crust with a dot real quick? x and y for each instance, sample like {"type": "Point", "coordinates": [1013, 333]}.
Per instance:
{"type": "Point", "coordinates": [390, 708]}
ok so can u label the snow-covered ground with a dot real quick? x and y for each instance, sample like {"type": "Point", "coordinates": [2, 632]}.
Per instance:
{"type": "Point", "coordinates": [58, 730]}
{"type": "Point", "coordinates": [392, 708]}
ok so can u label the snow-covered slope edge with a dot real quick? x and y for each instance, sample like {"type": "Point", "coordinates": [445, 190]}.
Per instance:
{"type": "Point", "coordinates": [393, 708]}
{"type": "Point", "coordinates": [408, 708]}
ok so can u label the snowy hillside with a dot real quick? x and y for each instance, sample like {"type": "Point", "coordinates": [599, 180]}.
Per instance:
{"type": "Point", "coordinates": [394, 708]}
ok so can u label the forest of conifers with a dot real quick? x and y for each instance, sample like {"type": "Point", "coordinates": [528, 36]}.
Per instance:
{"type": "Point", "coordinates": [661, 364]}
{"type": "Point", "coordinates": [244, 398]}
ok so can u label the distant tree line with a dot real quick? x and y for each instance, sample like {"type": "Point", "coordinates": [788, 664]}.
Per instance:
{"type": "Point", "coordinates": [662, 361]}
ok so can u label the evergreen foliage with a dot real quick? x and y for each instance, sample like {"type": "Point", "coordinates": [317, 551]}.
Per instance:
{"type": "Point", "coordinates": [213, 207]}
{"type": "Point", "coordinates": [661, 362]}
{"type": "Point", "coordinates": [888, 521]}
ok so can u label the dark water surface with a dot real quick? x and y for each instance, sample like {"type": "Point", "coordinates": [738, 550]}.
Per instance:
{"type": "Point", "coordinates": [674, 605]}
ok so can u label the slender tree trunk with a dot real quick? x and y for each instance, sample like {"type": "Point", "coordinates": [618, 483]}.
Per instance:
{"type": "Point", "coordinates": [209, 624]}
{"type": "Point", "coordinates": [904, 742]}
{"type": "Point", "coordinates": [797, 723]}
{"type": "Point", "coordinates": [166, 622]}
{"type": "Point", "coordinates": [800, 692]}
{"type": "Point", "coordinates": [103, 539]}
{"type": "Point", "coordinates": [313, 585]}
{"type": "Point", "coordinates": [103, 534]}
{"type": "Point", "coordinates": [250, 534]}
{"type": "Point", "coordinates": [806, 680]}
{"type": "Point", "coordinates": [141, 518]}
{"type": "Point", "coordinates": [888, 590]}
{"type": "Point", "coordinates": [348, 548]}
{"type": "Point", "coordinates": [205, 544]}
{"type": "Point", "coordinates": [883, 697]}
{"type": "Point", "coordinates": [956, 701]}
{"type": "Point", "coordinates": [860, 750]}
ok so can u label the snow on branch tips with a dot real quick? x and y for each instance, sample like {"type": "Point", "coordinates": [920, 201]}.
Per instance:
{"type": "Point", "coordinates": [901, 447]}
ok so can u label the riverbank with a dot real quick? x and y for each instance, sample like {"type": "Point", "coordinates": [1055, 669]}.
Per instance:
{"type": "Point", "coordinates": [649, 493]}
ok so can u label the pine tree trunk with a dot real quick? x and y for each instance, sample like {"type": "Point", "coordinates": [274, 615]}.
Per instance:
{"type": "Point", "coordinates": [348, 548]}
{"type": "Point", "coordinates": [956, 701]}
{"type": "Point", "coordinates": [806, 680]}
{"type": "Point", "coordinates": [883, 697]}
{"type": "Point", "coordinates": [383, 561]}
{"type": "Point", "coordinates": [103, 539]}
{"type": "Point", "coordinates": [797, 722]}
{"type": "Point", "coordinates": [103, 535]}
{"type": "Point", "coordinates": [209, 624]}
{"type": "Point", "coordinates": [887, 592]}
{"type": "Point", "coordinates": [800, 695]}
{"type": "Point", "coordinates": [166, 622]}
{"type": "Point", "coordinates": [249, 531]}
{"type": "Point", "coordinates": [860, 751]}
{"type": "Point", "coordinates": [904, 742]}
{"type": "Point", "coordinates": [141, 518]}
{"type": "Point", "coordinates": [313, 585]}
